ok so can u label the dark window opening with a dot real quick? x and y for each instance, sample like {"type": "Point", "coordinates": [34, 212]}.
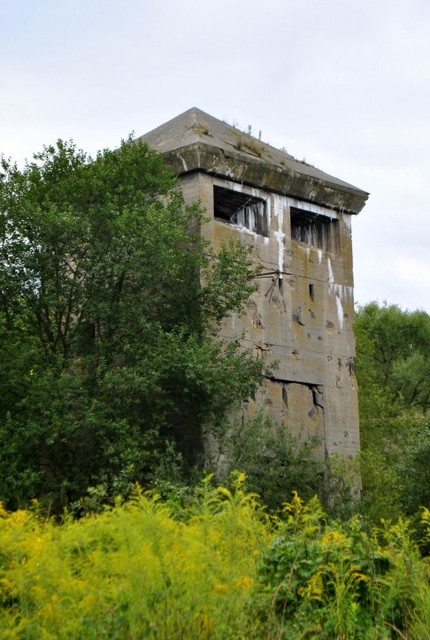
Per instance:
{"type": "Point", "coordinates": [311, 292]}
{"type": "Point", "coordinates": [242, 209]}
{"type": "Point", "coordinates": [315, 230]}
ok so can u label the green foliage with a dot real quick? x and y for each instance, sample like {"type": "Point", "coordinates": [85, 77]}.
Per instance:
{"type": "Point", "coordinates": [134, 571]}
{"type": "Point", "coordinates": [217, 568]}
{"type": "Point", "coordinates": [276, 462]}
{"type": "Point", "coordinates": [393, 348]}
{"type": "Point", "coordinates": [340, 488]}
{"type": "Point", "coordinates": [109, 307]}
{"type": "Point", "coordinates": [327, 580]}
{"type": "Point", "coordinates": [415, 468]}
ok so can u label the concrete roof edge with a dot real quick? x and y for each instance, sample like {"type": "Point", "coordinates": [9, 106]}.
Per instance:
{"type": "Point", "coordinates": [270, 177]}
{"type": "Point", "coordinates": [196, 141]}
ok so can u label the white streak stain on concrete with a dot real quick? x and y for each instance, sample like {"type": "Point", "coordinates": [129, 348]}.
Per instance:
{"type": "Point", "coordinates": [278, 210]}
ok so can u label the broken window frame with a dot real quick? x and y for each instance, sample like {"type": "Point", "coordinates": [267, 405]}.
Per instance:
{"type": "Point", "coordinates": [315, 230]}
{"type": "Point", "coordinates": [241, 210]}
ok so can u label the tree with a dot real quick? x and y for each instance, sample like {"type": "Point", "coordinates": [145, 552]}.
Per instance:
{"type": "Point", "coordinates": [393, 351]}
{"type": "Point", "coordinates": [394, 393]}
{"type": "Point", "coordinates": [108, 347]}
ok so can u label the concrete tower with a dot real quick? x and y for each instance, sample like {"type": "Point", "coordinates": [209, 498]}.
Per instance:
{"type": "Point", "coordinates": [297, 219]}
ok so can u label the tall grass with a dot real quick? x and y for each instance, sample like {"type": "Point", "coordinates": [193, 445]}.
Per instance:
{"type": "Point", "coordinates": [221, 570]}
{"type": "Point", "coordinates": [133, 571]}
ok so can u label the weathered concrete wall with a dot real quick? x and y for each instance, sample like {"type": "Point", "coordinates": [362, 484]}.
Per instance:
{"type": "Point", "coordinates": [303, 319]}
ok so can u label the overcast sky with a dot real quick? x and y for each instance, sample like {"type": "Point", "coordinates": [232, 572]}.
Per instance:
{"type": "Point", "coordinates": [342, 84]}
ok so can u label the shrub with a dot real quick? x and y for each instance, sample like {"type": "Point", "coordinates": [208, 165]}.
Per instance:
{"type": "Point", "coordinates": [326, 580]}
{"type": "Point", "coordinates": [216, 569]}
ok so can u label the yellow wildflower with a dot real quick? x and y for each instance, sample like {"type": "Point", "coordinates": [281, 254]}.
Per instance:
{"type": "Point", "coordinates": [220, 588]}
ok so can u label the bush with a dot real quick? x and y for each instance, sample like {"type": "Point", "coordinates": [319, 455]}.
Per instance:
{"type": "Point", "coordinates": [275, 461]}
{"type": "Point", "coordinates": [326, 580]}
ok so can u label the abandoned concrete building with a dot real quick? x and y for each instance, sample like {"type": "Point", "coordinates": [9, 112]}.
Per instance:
{"type": "Point", "coordinates": [297, 219]}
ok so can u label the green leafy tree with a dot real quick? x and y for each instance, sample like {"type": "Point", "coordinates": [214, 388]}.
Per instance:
{"type": "Point", "coordinates": [108, 348]}
{"type": "Point", "coordinates": [393, 372]}
{"type": "Point", "coordinates": [393, 349]}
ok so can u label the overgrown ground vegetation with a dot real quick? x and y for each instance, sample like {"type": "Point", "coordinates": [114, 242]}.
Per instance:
{"type": "Point", "coordinates": [218, 567]}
